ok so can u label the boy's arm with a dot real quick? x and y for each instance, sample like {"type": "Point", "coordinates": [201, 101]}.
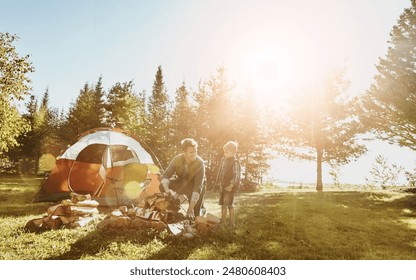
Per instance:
{"type": "Point", "coordinates": [235, 181]}
{"type": "Point", "coordinates": [218, 178]}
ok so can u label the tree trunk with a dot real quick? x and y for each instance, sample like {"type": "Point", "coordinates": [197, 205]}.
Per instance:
{"type": "Point", "coordinates": [319, 186]}
{"type": "Point", "coordinates": [246, 164]}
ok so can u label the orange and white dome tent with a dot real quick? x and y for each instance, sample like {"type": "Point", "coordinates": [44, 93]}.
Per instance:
{"type": "Point", "coordinates": [107, 163]}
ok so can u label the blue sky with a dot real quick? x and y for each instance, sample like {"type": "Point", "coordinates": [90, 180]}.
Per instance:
{"type": "Point", "coordinates": [73, 42]}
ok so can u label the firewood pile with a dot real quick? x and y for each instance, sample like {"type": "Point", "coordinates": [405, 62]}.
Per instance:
{"type": "Point", "coordinates": [76, 212]}
{"type": "Point", "coordinates": [161, 211]}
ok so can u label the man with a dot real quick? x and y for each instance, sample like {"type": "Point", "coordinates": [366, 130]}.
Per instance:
{"type": "Point", "coordinates": [189, 169]}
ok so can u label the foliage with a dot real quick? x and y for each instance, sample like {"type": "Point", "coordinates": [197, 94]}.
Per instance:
{"type": "Point", "coordinates": [215, 119]}
{"type": "Point", "coordinates": [41, 141]}
{"type": "Point", "coordinates": [14, 85]}
{"type": "Point", "coordinates": [252, 136]}
{"type": "Point", "coordinates": [334, 173]}
{"type": "Point", "coordinates": [85, 113]}
{"type": "Point", "coordinates": [411, 178]}
{"type": "Point", "coordinates": [383, 175]}
{"type": "Point", "coordinates": [322, 126]}
{"type": "Point", "coordinates": [182, 116]}
{"type": "Point", "coordinates": [124, 107]}
{"type": "Point", "coordinates": [389, 105]}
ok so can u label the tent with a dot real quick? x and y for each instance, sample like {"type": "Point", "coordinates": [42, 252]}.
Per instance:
{"type": "Point", "coordinates": [109, 164]}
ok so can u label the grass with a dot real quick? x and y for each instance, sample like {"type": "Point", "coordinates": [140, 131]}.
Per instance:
{"type": "Point", "coordinates": [290, 224]}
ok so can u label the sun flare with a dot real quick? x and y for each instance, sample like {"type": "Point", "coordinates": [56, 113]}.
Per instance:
{"type": "Point", "coordinates": [276, 73]}
{"type": "Point", "coordinates": [271, 76]}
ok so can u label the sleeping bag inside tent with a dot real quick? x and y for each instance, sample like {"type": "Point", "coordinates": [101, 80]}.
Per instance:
{"type": "Point", "coordinates": [109, 164]}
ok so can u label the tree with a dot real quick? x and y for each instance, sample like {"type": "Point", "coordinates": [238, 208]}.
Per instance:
{"type": "Point", "coordinates": [41, 141]}
{"type": "Point", "coordinates": [46, 128]}
{"type": "Point", "coordinates": [200, 122]}
{"type": "Point", "coordinates": [383, 175]}
{"type": "Point", "coordinates": [158, 119]}
{"type": "Point", "coordinates": [252, 138]}
{"type": "Point", "coordinates": [14, 85]}
{"type": "Point", "coordinates": [182, 116]}
{"type": "Point", "coordinates": [322, 126]}
{"type": "Point", "coordinates": [215, 120]}
{"type": "Point", "coordinates": [125, 108]}
{"type": "Point", "coordinates": [389, 105]}
{"type": "Point", "coordinates": [85, 113]}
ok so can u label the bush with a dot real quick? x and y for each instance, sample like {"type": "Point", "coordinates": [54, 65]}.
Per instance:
{"type": "Point", "coordinates": [249, 186]}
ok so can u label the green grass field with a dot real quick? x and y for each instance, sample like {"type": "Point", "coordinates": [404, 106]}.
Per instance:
{"type": "Point", "coordinates": [273, 224]}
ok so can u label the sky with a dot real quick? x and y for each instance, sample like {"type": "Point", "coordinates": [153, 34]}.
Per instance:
{"type": "Point", "coordinates": [281, 46]}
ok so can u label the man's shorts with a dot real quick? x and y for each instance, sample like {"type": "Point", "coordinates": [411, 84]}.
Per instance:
{"type": "Point", "coordinates": [227, 199]}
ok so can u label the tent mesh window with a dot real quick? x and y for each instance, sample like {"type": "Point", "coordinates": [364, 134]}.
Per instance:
{"type": "Point", "coordinates": [92, 153]}
{"type": "Point", "coordinates": [120, 153]}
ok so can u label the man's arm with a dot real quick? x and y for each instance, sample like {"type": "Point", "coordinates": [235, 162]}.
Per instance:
{"type": "Point", "coordinates": [170, 170]}
{"type": "Point", "coordinates": [198, 185]}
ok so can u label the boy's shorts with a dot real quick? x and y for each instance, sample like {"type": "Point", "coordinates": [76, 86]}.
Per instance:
{"type": "Point", "coordinates": [227, 199]}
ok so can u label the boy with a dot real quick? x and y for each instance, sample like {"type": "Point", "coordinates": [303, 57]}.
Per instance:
{"type": "Point", "coordinates": [228, 181]}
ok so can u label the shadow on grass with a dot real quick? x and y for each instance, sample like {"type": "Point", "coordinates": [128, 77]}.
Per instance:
{"type": "Point", "coordinates": [97, 241]}
{"type": "Point", "coordinates": [16, 195]}
{"type": "Point", "coordinates": [19, 203]}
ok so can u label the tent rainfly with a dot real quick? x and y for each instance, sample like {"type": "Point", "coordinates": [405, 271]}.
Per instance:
{"type": "Point", "coordinates": [107, 163]}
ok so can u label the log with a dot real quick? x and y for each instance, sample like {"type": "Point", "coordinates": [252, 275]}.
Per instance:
{"type": "Point", "coordinates": [83, 221]}
{"type": "Point", "coordinates": [139, 223]}
{"type": "Point", "coordinates": [176, 228]}
{"type": "Point", "coordinates": [81, 210]}
{"type": "Point", "coordinates": [107, 222]}
{"type": "Point", "coordinates": [69, 219]}
{"type": "Point", "coordinates": [57, 210]}
{"type": "Point", "coordinates": [213, 219]}
{"type": "Point", "coordinates": [158, 225]}
{"type": "Point", "coordinates": [200, 220]}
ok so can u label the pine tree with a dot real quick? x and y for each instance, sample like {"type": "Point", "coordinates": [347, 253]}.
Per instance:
{"type": "Point", "coordinates": [215, 119]}
{"type": "Point", "coordinates": [321, 126]}
{"type": "Point", "coordinates": [389, 105]}
{"type": "Point", "coordinates": [182, 117]}
{"type": "Point", "coordinates": [125, 108]}
{"type": "Point", "coordinates": [85, 113]}
{"type": "Point", "coordinates": [158, 119]}
{"type": "Point", "coordinates": [252, 138]}
{"type": "Point", "coordinates": [200, 122]}
{"type": "Point", "coordinates": [42, 139]}
{"type": "Point", "coordinates": [99, 104]}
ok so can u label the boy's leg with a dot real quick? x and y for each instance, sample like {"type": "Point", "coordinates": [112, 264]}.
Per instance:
{"type": "Point", "coordinates": [229, 202]}
{"type": "Point", "coordinates": [232, 216]}
{"type": "Point", "coordinates": [223, 214]}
